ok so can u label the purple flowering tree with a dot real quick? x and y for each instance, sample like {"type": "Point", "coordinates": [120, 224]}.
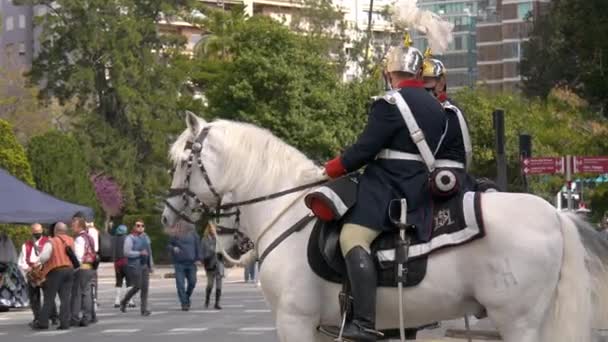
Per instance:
{"type": "Point", "coordinates": [108, 194]}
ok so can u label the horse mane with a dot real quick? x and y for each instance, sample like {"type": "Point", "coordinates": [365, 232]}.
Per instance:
{"type": "Point", "coordinates": [250, 154]}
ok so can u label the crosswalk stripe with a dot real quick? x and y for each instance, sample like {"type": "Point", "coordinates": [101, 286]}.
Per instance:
{"type": "Point", "coordinates": [188, 329]}
{"type": "Point", "coordinates": [258, 311]}
{"type": "Point", "coordinates": [50, 333]}
{"type": "Point", "coordinates": [114, 331]}
{"type": "Point", "coordinates": [258, 329]}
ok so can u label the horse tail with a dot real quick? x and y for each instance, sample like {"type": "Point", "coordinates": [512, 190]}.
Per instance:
{"type": "Point", "coordinates": [596, 259]}
{"type": "Point", "coordinates": [569, 317]}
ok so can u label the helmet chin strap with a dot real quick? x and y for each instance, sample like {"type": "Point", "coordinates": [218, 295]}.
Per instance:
{"type": "Point", "coordinates": [387, 81]}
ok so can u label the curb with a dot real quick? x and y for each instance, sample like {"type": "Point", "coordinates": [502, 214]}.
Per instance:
{"type": "Point", "coordinates": [488, 335]}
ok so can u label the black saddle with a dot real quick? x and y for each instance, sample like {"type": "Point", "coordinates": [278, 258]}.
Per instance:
{"type": "Point", "coordinates": [450, 227]}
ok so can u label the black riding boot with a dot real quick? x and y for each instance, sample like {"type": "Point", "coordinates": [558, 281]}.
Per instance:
{"type": "Point", "coordinates": [218, 295]}
{"type": "Point", "coordinates": [363, 279]}
{"type": "Point", "coordinates": [207, 297]}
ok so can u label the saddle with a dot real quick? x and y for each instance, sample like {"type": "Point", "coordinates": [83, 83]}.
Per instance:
{"type": "Point", "coordinates": [456, 221]}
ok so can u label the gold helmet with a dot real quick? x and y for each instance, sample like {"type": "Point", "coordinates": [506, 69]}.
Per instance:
{"type": "Point", "coordinates": [432, 67]}
{"type": "Point", "coordinates": [405, 58]}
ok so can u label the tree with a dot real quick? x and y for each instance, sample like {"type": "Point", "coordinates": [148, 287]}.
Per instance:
{"type": "Point", "coordinates": [558, 127]}
{"type": "Point", "coordinates": [19, 105]}
{"type": "Point", "coordinates": [564, 49]}
{"type": "Point", "coordinates": [12, 155]}
{"type": "Point", "coordinates": [109, 196]}
{"type": "Point", "coordinates": [13, 159]}
{"type": "Point", "coordinates": [60, 167]}
{"type": "Point", "coordinates": [128, 82]}
{"type": "Point", "coordinates": [287, 83]}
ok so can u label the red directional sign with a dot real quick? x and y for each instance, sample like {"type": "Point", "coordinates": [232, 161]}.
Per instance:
{"type": "Point", "coordinates": [543, 165]}
{"type": "Point", "coordinates": [590, 164]}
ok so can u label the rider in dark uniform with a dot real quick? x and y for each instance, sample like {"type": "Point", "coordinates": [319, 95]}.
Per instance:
{"type": "Point", "coordinates": [394, 169]}
{"type": "Point", "coordinates": [457, 145]}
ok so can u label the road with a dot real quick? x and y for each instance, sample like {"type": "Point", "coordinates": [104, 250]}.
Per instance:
{"type": "Point", "coordinates": [245, 317]}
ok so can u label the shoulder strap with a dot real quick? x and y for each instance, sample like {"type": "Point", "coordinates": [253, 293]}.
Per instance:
{"type": "Point", "coordinates": [464, 130]}
{"type": "Point", "coordinates": [394, 97]}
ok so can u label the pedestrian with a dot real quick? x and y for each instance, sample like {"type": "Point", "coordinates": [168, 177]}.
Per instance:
{"type": "Point", "coordinates": [120, 264]}
{"type": "Point", "coordinates": [213, 262]}
{"type": "Point", "coordinates": [185, 247]}
{"type": "Point", "coordinates": [29, 256]}
{"type": "Point", "coordinates": [94, 233]}
{"type": "Point", "coordinates": [82, 296]}
{"type": "Point", "coordinates": [58, 269]}
{"type": "Point", "coordinates": [138, 250]}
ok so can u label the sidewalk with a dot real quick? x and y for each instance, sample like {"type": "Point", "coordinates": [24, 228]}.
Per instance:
{"type": "Point", "coordinates": [106, 270]}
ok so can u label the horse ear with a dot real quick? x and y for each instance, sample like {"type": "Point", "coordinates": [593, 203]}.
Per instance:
{"type": "Point", "coordinates": [193, 122]}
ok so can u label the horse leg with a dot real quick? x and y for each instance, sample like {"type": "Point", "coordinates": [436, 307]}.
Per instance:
{"type": "Point", "coordinates": [297, 328]}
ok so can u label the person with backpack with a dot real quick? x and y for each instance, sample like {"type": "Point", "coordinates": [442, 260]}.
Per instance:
{"type": "Point", "coordinates": [120, 264]}
{"type": "Point", "coordinates": [214, 264]}
{"type": "Point", "coordinates": [82, 297]}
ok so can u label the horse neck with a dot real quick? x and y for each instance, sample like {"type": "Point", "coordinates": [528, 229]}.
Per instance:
{"type": "Point", "coordinates": [274, 216]}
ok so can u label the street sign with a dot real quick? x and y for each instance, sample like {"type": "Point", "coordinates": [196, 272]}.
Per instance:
{"type": "Point", "coordinates": [591, 164]}
{"type": "Point", "coordinates": [543, 165]}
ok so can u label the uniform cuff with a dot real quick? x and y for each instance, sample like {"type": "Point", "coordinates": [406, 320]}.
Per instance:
{"type": "Point", "coordinates": [334, 168]}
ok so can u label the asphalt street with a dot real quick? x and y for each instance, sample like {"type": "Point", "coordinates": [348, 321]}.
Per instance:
{"type": "Point", "coordinates": [245, 317]}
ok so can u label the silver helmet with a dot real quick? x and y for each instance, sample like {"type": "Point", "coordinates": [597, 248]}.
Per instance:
{"type": "Point", "coordinates": [404, 58]}
{"type": "Point", "coordinates": [432, 67]}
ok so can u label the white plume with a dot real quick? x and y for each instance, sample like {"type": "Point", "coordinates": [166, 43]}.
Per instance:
{"type": "Point", "coordinates": [405, 13]}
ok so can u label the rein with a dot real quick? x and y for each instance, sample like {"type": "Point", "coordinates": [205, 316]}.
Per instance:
{"type": "Point", "coordinates": [196, 148]}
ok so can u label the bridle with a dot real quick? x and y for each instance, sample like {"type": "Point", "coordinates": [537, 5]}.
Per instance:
{"type": "Point", "coordinates": [196, 148]}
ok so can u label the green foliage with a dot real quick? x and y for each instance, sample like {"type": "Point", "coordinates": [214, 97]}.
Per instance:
{"type": "Point", "coordinates": [127, 82]}
{"type": "Point", "coordinates": [17, 234]}
{"type": "Point", "coordinates": [155, 231]}
{"type": "Point", "coordinates": [557, 127]}
{"type": "Point", "coordinates": [287, 83]}
{"type": "Point", "coordinates": [565, 50]}
{"type": "Point", "coordinates": [12, 155]}
{"type": "Point", "coordinates": [60, 167]}
{"type": "Point", "coordinates": [599, 202]}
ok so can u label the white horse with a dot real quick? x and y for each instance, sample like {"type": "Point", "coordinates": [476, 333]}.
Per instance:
{"type": "Point", "coordinates": [528, 272]}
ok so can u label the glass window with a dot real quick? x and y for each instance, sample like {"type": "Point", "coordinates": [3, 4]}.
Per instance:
{"type": "Point", "coordinates": [9, 24]}
{"type": "Point", "coordinates": [510, 50]}
{"type": "Point", "coordinates": [22, 48]}
{"type": "Point", "coordinates": [524, 9]}
{"type": "Point", "coordinates": [21, 21]}
{"type": "Point", "coordinates": [458, 43]}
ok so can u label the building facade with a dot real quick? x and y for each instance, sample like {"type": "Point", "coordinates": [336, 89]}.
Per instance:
{"type": "Point", "coordinates": [501, 32]}
{"type": "Point", "coordinates": [18, 35]}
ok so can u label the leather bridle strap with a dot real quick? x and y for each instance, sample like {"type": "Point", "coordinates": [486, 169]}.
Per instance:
{"type": "Point", "coordinates": [272, 196]}
{"type": "Point", "coordinates": [298, 226]}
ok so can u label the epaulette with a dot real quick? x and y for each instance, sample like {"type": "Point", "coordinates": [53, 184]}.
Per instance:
{"type": "Point", "coordinates": [388, 97]}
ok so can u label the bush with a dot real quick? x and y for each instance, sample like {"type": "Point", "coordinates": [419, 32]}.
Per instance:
{"type": "Point", "coordinates": [17, 234]}
{"type": "Point", "coordinates": [155, 231]}
{"type": "Point", "coordinates": [60, 168]}
{"type": "Point", "coordinates": [12, 155]}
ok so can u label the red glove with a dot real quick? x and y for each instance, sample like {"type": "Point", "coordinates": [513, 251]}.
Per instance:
{"type": "Point", "coordinates": [321, 210]}
{"type": "Point", "coordinates": [334, 168]}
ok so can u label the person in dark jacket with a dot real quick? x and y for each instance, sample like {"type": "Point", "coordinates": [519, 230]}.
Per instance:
{"type": "Point", "coordinates": [138, 250]}
{"type": "Point", "coordinates": [120, 264]}
{"type": "Point", "coordinates": [185, 247]}
{"type": "Point", "coordinates": [457, 145]}
{"type": "Point", "coordinates": [214, 265]}
{"type": "Point", "coordinates": [396, 167]}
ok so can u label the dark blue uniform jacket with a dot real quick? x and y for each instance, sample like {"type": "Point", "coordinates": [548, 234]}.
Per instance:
{"type": "Point", "coordinates": [384, 180]}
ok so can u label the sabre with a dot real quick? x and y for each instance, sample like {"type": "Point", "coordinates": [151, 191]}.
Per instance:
{"type": "Point", "coordinates": [402, 251]}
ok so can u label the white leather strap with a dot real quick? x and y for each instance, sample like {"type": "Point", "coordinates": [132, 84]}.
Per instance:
{"type": "Point", "coordinates": [416, 133]}
{"type": "Point", "coordinates": [464, 129]}
{"type": "Point", "coordinates": [394, 154]}
{"type": "Point", "coordinates": [448, 164]}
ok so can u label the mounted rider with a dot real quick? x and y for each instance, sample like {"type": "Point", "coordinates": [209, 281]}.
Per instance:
{"type": "Point", "coordinates": [395, 168]}
{"type": "Point", "coordinates": [457, 145]}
